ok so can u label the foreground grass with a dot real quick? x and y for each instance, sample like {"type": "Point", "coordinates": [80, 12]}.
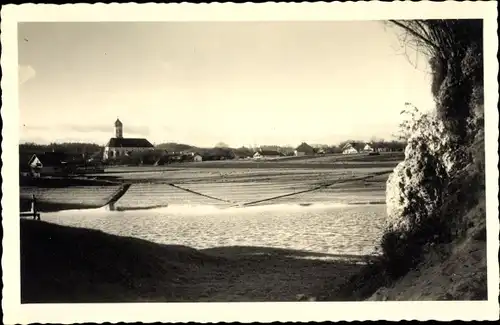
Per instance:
{"type": "Point", "coordinates": [63, 264]}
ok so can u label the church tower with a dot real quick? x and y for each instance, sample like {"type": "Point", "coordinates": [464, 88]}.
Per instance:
{"type": "Point", "coordinates": [118, 129]}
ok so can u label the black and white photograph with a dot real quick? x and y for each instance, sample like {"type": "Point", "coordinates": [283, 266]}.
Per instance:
{"type": "Point", "coordinates": [302, 163]}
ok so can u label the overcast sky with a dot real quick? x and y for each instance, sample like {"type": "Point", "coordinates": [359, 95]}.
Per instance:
{"type": "Point", "coordinates": [242, 83]}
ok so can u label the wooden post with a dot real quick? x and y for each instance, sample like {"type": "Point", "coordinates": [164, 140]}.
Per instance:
{"type": "Point", "coordinates": [36, 214]}
{"type": "Point", "coordinates": [34, 210]}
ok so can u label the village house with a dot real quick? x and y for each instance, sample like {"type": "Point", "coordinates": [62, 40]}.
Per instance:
{"type": "Point", "coordinates": [304, 150]}
{"type": "Point", "coordinates": [352, 148]}
{"type": "Point", "coordinates": [120, 146]}
{"type": "Point", "coordinates": [47, 164]}
{"type": "Point", "coordinates": [355, 147]}
{"type": "Point", "coordinates": [379, 147]}
{"type": "Point", "coordinates": [382, 149]}
{"type": "Point", "coordinates": [321, 151]}
{"type": "Point", "coordinates": [368, 148]}
{"type": "Point", "coordinates": [193, 156]}
{"type": "Point", "coordinates": [58, 163]}
{"type": "Point", "coordinates": [269, 147]}
{"type": "Point", "coordinates": [266, 154]}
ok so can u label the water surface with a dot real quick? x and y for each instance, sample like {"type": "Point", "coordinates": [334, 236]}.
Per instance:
{"type": "Point", "coordinates": [332, 228]}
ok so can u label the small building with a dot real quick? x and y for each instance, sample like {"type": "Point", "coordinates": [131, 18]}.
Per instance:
{"type": "Point", "coordinates": [368, 148]}
{"type": "Point", "coordinates": [304, 150]}
{"type": "Point", "coordinates": [267, 154]}
{"type": "Point", "coordinates": [192, 156]}
{"type": "Point", "coordinates": [352, 148]}
{"type": "Point", "coordinates": [47, 164]}
{"type": "Point", "coordinates": [382, 149]}
{"type": "Point", "coordinates": [379, 147]}
{"type": "Point", "coordinates": [120, 146]}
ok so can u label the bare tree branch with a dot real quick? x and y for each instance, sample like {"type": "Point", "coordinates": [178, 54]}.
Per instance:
{"type": "Point", "coordinates": [416, 34]}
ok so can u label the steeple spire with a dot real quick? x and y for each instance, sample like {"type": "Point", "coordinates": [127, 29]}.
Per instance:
{"type": "Point", "coordinates": [118, 128]}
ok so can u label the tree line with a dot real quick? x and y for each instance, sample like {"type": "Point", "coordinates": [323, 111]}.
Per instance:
{"type": "Point", "coordinates": [88, 149]}
{"type": "Point", "coordinates": [95, 150]}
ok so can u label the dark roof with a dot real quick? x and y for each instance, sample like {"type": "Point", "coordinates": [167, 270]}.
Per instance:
{"type": "Point", "coordinates": [118, 122]}
{"type": "Point", "coordinates": [304, 147]}
{"type": "Point", "coordinates": [129, 143]}
{"type": "Point", "coordinates": [269, 153]}
{"type": "Point", "coordinates": [356, 145]}
{"type": "Point", "coordinates": [49, 158]}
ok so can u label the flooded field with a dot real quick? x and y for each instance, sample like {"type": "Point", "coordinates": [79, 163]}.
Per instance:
{"type": "Point", "coordinates": [305, 175]}
{"type": "Point", "coordinates": [207, 208]}
{"type": "Point", "coordinates": [319, 228]}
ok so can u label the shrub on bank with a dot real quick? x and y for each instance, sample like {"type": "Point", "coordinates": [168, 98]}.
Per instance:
{"type": "Point", "coordinates": [436, 194]}
{"type": "Point", "coordinates": [414, 195]}
{"type": "Point", "coordinates": [426, 193]}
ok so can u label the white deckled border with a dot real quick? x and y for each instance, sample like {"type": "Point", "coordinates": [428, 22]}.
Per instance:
{"type": "Point", "coordinates": [14, 312]}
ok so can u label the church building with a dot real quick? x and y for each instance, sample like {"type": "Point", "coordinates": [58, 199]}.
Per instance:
{"type": "Point", "coordinates": [120, 146]}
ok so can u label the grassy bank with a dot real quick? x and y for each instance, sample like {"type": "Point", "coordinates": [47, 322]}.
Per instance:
{"type": "Point", "coordinates": [63, 265]}
{"type": "Point", "coordinates": [441, 259]}
{"type": "Point", "coordinates": [446, 271]}
{"type": "Point", "coordinates": [434, 247]}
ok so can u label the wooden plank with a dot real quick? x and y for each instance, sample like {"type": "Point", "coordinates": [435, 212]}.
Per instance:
{"type": "Point", "coordinates": [30, 214]}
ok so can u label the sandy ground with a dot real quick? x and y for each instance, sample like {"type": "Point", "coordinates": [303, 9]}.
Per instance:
{"type": "Point", "coordinates": [454, 271]}
{"type": "Point", "coordinates": [80, 265]}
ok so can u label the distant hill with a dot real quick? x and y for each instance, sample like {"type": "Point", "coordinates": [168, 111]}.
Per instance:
{"type": "Point", "coordinates": [175, 147]}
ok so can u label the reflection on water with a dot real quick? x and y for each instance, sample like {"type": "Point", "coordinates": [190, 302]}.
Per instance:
{"type": "Point", "coordinates": [326, 228]}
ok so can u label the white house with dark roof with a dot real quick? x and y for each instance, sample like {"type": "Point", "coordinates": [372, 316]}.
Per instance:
{"type": "Point", "coordinates": [49, 163]}
{"type": "Point", "coordinates": [357, 147]}
{"type": "Point", "coordinates": [368, 148]}
{"type": "Point", "coordinates": [120, 146]}
{"type": "Point", "coordinates": [352, 148]}
{"type": "Point", "coordinates": [304, 150]}
{"type": "Point", "coordinates": [266, 154]}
